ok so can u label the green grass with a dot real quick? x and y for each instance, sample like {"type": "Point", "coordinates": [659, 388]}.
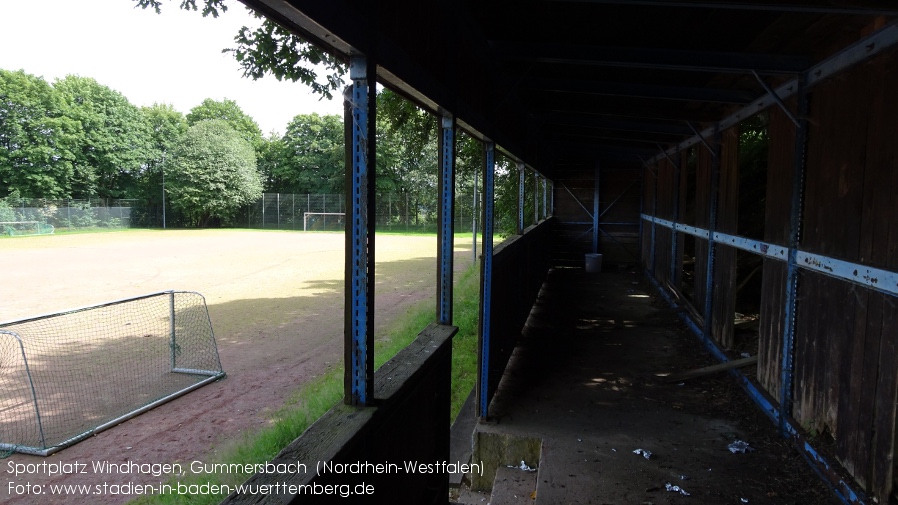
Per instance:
{"type": "Point", "coordinates": [316, 397]}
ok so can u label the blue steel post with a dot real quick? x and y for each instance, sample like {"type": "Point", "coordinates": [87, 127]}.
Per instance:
{"type": "Point", "coordinates": [795, 218]}
{"type": "Point", "coordinates": [486, 281]}
{"type": "Point", "coordinates": [595, 210]}
{"type": "Point", "coordinates": [474, 222]}
{"type": "Point", "coordinates": [712, 227]}
{"type": "Point", "coordinates": [447, 221]}
{"type": "Point", "coordinates": [521, 175]}
{"type": "Point", "coordinates": [358, 375]}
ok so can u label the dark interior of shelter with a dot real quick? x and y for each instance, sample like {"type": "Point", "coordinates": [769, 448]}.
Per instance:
{"type": "Point", "coordinates": [711, 189]}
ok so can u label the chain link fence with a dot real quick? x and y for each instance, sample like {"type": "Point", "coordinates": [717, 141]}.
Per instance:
{"type": "Point", "coordinates": [22, 215]}
{"type": "Point", "coordinates": [327, 212]}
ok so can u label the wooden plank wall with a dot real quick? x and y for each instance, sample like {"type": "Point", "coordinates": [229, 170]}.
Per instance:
{"type": "Point", "coordinates": [724, 282]}
{"type": "Point", "coordinates": [666, 193]}
{"type": "Point", "coordinates": [846, 342]}
{"type": "Point", "coordinates": [682, 157]}
{"type": "Point", "coordinates": [648, 197]}
{"type": "Point", "coordinates": [781, 133]}
{"type": "Point", "coordinates": [846, 367]}
{"type": "Point", "coordinates": [702, 220]}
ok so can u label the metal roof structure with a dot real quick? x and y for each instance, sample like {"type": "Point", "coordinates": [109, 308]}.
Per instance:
{"type": "Point", "coordinates": [564, 84]}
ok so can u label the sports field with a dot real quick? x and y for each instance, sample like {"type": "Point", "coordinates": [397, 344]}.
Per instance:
{"type": "Point", "coordinates": [276, 304]}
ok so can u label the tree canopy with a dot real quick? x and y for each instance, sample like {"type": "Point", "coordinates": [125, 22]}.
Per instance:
{"type": "Point", "coordinates": [229, 112]}
{"type": "Point", "coordinates": [114, 137]}
{"type": "Point", "coordinates": [212, 172]}
{"type": "Point", "coordinates": [36, 137]}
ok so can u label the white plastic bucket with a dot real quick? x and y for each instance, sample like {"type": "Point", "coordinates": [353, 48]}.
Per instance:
{"type": "Point", "coordinates": [593, 263]}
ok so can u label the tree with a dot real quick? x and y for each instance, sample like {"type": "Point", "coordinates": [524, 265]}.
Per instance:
{"type": "Point", "coordinates": [407, 152]}
{"type": "Point", "coordinates": [167, 125]}
{"type": "Point", "coordinates": [211, 173]}
{"type": "Point", "coordinates": [313, 155]}
{"type": "Point", "coordinates": [228, 111]}
{"type": "Point", "coordinates": [271, 156]}
{"type": "Point", "coordinates": [36, 139]}
{"type": "Point", "coordinates": [113, 138]}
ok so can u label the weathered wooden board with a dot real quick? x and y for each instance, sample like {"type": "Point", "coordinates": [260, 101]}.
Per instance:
{"type": "Point", "coordinates": [724, 285]}
{"type": "Point", "coordinates": [781, 133]}
{"type": "Point", "coordinates": [708, 370]}
{"type": "Point", "coordinates": [879, 245]}
{"type": "Point", "coordinates": [702, 220]}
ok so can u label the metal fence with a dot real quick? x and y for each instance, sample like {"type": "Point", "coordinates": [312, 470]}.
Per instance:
{"type": "Point", "coordinates": [326, 212]}
{"type": "Point", "coordinates": [66, 214]}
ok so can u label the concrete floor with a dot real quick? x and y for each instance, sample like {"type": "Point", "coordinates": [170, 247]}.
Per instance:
{"type": "Point", "coordinates": [586, 382]}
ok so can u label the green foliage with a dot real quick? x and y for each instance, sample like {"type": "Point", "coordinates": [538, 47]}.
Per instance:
{"type": "Point", "coordinates": [407, 158]}
{"type": "Point", "coordinates": [753, 152]}
{"type": "Point", "coordinates": [312, 156]}
{"type": "Point", "coordinates": [270, 49]}
{"type": "Point", "coordinates": [211, 173]}
{"type": "Point", "coordinates": [36, 137]}
{"type": "Point", "coordinates": [228, 111]}
{"type": "Point", "coordinates": [210, 7]}
{"type": "Point", "coordinates": [113, 138]}
{"type": "Point", "coordinates": [167, 125]}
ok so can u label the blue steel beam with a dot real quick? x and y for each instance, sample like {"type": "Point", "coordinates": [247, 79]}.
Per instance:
{"type": "Point", "coordinates": [862, 50]}
{"type": "Point", "coordinates": [447, 221]}
{"type": "Point", "coordinates": [795, 218]}
{"type": "Point", "coordinates": [521, 174]}
{"type": "Point", "coordinates": [486, 280]}
{"type": "Point", "coordinates": [877, 279]}
{"type": "Point", "coordinates": [712, 248]}
{"type": "Point", "coordinates": [359, 373]}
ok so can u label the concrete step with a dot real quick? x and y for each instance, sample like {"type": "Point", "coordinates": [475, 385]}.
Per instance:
{"type": "Point", "coordinates": [513, 486]}
{"type": "Point", "coordinates": [461, 438]}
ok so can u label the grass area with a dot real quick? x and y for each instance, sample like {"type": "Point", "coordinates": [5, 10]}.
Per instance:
{"type": "Point", "coordinates": [316, 397]}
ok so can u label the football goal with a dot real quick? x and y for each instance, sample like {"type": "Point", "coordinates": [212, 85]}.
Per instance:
{"type": "Point", "coordinates": [69, 375]}
{"type": "Point", "coordinates": [18, 228]}
{"type": "Point", "coordinates": [319, 220]}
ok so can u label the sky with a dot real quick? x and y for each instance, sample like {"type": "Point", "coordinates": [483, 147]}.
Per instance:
{"type": "Point", "coordinates": [174, 57]}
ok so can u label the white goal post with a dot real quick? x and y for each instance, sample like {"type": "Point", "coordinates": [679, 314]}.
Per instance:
{"type": "Point", "coordinates": [306, 215]}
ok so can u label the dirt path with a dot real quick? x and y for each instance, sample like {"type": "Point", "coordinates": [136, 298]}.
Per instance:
{"type": "Point", "coordinates": [275, 300]}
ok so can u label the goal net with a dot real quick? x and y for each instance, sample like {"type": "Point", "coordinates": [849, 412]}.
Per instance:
{"type": "Point", "coordinates": [17, 228]}
{"type": "Point", "coordinates": [69, 375]}
{"type": "Point", "coordinates": [323, 221]}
